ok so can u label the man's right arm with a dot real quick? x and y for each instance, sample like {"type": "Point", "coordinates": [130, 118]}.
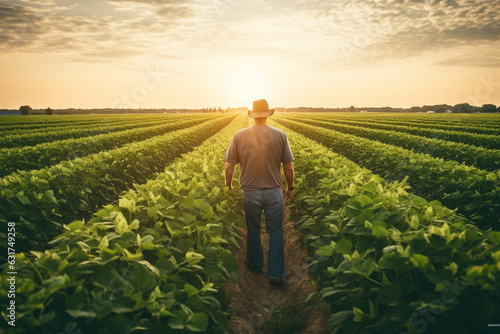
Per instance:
{"type": "Point", "coordinates": [229, 171]}
{"type": "Point", "coordinates": [290, 177]}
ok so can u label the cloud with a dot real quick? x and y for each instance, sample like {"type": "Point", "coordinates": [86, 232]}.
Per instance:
{"type": "Point", "coordinates": [165, 9]}
{"type": "Point", "coordinates": [357, 33]}
{"type": "Point", "coordinates": [369, 32]}
{"type": "Point", "coordinates": [20, 26]}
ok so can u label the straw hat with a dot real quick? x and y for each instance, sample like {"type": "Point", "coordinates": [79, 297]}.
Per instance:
{"type": "Point", "coordinates": [260, 109]}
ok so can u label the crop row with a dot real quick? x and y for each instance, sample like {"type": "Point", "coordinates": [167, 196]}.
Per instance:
{"type": "Point", "coordinates": [18, 129]}
{"type": "Point", "coordinates": [475, 192]}
{"type": "Point", "coordinates": [481, 120]}
{"type": "Point", "coordinates": [476, 120]}
{"type": "Point", "coordinates": [153, 262]}
{"type": "Point", "coordinates": [468, 154]}
{"type": "Point", "coordinates": [45, 154]}
{"type": "Point", "coordinates": [40, 201]}
{"type": "Point", "coordinates": [69, 122]}
{"type": "Point", "coordinates": [67, 126]}
{"type": "Point", "coordinates": [31, 138]}
{"type": "Point", "coordinates": [43, 120]}
{"type": "Point", "coordinates": [453, 125]}
{"type": "Point", "coordinates": [24, 128]}
{"type": "Point", "coordinates": [386, 260]}
{"type": "Point", "coordinates": [486, 141]}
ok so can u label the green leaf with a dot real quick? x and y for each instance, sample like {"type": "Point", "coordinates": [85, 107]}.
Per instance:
{"type": "Point", "coordinates": [24, 200]}
{"type": "Point", "coordinates": [121, 225]}
{"type": "Point", "coordinates": [141, 278]}
{"type": "Point", "coordinates": [132, 257]}
{"type": "Point", "coordinates": [190, 290]}
{"type": "Point", "coordinates": [326, 250]}
{"type": "Point", "coordinates": [388, 294]}
{"type": "Point", "coordinates": [364, 268]}
{"type": "Point", "coordinates": [46, 317]}
{"type": "Point", "coordinates": [419, 261]}
{"type": "Point", "coordinates": [353, 207]}
{"type": "Point", "coordinates": [127, 204]}
{"type": "Point", "coordinates": [414, 222]}
{"type": "Point", "coordinates": [358, 314]}
{"type": "Point", "coordinates": [56, 283]}
{"type": "Point", "coordinates": [494, 236]}
{"type": "Point", "coordinates": [108, 278]}
{"type": "Point", "coordinates": [175, 323]}
{"type": "Point", "coordinates": [373, 310]}
{"type": "Point", "coordinates": [104, 243]}
{"type": "Point", "coordinates": [134, 225]}
{"type": "Point", "coordinates": [153, 269]}
{"type": "Point", "coordinates": [50, 261]}
{"type": "Point", "coordinates": [379, 231]}
{"type": "Point", "coordinates": [7, 193]}
{"type": "Point", "coordinates": [228, 261]}
{"type": "Point", "coordinates": [343, 246]}
{"type": "Point", "coordinates": [198, 322]}
{"type": "Point", "coordinates": [338, 318]}
{"type": "Point", "coordinates": [81, 305]}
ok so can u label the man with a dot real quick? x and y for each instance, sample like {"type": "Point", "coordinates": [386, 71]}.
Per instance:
{"type": "Point", "coordinates": [260, 150]}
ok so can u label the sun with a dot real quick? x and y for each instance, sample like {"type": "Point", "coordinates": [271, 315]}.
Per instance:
{"type": "Point", "coordinates": [246, 82]}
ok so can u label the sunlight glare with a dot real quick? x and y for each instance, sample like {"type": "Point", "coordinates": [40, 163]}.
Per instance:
{"type": "Point", "coordinates": [246, 83]}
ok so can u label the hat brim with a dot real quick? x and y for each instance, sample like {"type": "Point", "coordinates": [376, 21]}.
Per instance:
{"type": "Point", "coordinates": [260, 114]}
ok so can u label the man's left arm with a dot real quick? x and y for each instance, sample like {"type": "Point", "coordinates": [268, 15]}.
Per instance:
{"type": "Point", "coordinates": [231, 158]}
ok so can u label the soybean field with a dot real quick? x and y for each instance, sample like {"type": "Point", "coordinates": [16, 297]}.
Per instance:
{"type": "Point", "coordinates": [123, 222]}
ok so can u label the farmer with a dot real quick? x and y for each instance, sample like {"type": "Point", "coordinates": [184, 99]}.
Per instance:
{"type": "Point", "coordinates": [260, 150]}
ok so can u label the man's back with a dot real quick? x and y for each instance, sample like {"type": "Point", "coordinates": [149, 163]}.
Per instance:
{"type": "Point", "coordinates": [260, 150]}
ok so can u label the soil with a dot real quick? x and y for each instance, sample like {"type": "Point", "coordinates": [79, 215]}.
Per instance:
{"type": "Point", "coordinates": [254, 296]}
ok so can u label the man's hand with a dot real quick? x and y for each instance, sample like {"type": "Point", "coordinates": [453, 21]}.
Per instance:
{"type": "Point", "coordinates": [289, 195]}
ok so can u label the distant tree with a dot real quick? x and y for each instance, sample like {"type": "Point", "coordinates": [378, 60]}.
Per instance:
{"type": "Point", "coordinates": [415, 109]}
{"type": "Point", "coordinates": [498, 109]}
{"type": "Point", "coordinates": [49, 111]}
{"type": "Point", "coordinates": [352, 109]}
{"type": "Point", "coordinates": [441, 109]}
{"type": "Point", "coordinates": [488, 108]}
{"type": "Point", "coordinates": [462, 108]}
{"type": "Point", "coordinates": [25, 110]}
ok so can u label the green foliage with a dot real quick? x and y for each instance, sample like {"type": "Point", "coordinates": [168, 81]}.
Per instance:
{"type": "Point", "coordinates": [488, 108]}
{"type": "Point", "coordinates": [25, 110]}
{"type": "Point", "coordinates": [28, 137]}
{"type": "Point", "coordinates": [388, 261]}
{"type": "Point", "coordinates": [40, 201]}
{"type": "Point", "coordinates": [45, 154]}
{"type": "Point", "coordinates": [490, 140]}
{"type": "Point", "coordinates": [153, 262]}
{"type": "Point", "coordinates": [475, 192]}
{"type": "Point", "coordinates": [471, 155]}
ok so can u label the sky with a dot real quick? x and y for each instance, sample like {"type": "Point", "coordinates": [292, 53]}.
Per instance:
{"type": "Point", "coordinates": [228, 53]}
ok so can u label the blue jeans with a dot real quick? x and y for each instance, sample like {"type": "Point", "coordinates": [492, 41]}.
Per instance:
{"type": "Point", "coordinates": [271, 201]}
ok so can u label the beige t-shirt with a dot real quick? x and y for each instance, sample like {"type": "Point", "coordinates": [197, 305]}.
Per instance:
{"type": "Point", "coordinates": [260, 150]}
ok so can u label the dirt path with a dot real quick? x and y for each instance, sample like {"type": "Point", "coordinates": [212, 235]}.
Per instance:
{"type": "Point", "coordinates": [252, 299]}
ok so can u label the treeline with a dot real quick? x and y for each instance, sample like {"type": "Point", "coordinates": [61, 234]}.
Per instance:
{"type": "Point", "coordinates": [437, 108]}
{"type": "Point", "coordinates": [27, 110]}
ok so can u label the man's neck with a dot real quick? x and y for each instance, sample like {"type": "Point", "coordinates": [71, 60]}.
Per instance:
{"type": "Point", "coordinates": [260, 121]}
